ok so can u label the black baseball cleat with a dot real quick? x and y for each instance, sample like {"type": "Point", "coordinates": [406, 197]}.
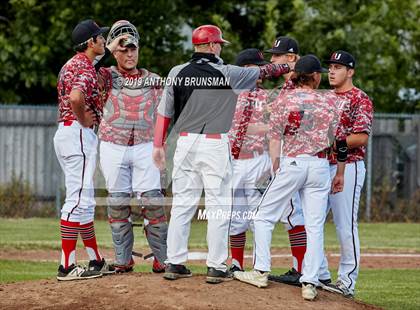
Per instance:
{"type": "Point", "coordinates": [101, 266]}
{"type": "Point", "coordinates": [323, 283]}
{"type": "Point", "coordinates": [173, 272]}
{"type": "Point", "coordinates": [215, 276]}
{"type": "Point", "coordinates": [291, 277]}
{"type": "Point", "coordinates": [340, 288]}
{"type": "Point", "coordinates": [234, 268]}
{"type": "Point", "coordinates": [74, 272]}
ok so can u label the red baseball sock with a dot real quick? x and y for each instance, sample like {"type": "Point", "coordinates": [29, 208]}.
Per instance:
{"type": "Point", "coordinates": [237, 246]}
{"type": "Point", "coordinates": [297, 237]}
{"type": "Point", "coordinates": [87, 231]}
{"type": "Point", "coordinates": [69, 233]}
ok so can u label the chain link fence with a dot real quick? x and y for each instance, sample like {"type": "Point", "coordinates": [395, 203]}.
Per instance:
{"type": "Point", "coordinates": [391, 191]}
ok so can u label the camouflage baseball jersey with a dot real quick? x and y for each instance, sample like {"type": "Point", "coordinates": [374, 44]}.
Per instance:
{"type": "Point", "coordinates": [355, 118]}
{"type": "Point", "coordinates": [130, 106]}
{"type": "Point", "coordinates": [276, 93]}
{"type": "Point", "coordinates": [288, 85]}
{"type": "Point", "coordinates": [249, 110]}
{"type": "Point", "coordinates": [306, 120]}
{"type": "Point", "coordinates": [78, 73]}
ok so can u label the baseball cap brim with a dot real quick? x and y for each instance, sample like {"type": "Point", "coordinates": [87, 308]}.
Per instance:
{"type": "Point", "coordinates": [100, 31]}
{"type": "Point", "coordinates": [324, 70]}
{"type": "Point", "coordinates": [274, 51]}
{"type": "Point", "coordinates": [135, 44]}
{"type": "Point", "coordinates": [130, 41]}
{"type": "Point", "coordinates": [336, 62]}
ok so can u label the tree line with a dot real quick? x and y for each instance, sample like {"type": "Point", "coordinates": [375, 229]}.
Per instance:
{"type": "Point", "coordinates": [384, 36]}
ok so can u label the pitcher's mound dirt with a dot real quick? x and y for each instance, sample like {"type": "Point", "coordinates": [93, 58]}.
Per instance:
{"type": "Point", "coordinates": [151, 291]}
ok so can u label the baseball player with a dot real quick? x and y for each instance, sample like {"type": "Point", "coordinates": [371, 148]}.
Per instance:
{"type": "Point", "coordinates": [285, 50]}
{"type": "Point", "coordinates": [250, 156]}
{"type": "Point", "coordinates": [202, 100]}
{"type": "Point", "coordinates": [126, 134]}
{"type": "Point", "coordinates": [357, 122]}
{"type": "Point", "coordinates": [306, 122]}
{"type": "Point", "coordinates": [75, 143]}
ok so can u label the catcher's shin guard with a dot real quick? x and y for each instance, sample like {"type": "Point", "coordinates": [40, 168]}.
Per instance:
{"type": "Point", "coordinates": [156, 228]}
{"type": "Point", "coordinates": [121, 228]}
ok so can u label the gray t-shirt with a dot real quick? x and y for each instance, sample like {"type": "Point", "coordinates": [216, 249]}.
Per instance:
{"type": "Point", "coordinates": [201, 95]}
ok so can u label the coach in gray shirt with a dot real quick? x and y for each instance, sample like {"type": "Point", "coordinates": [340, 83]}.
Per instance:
{"type": "Point", "coordinates": [200, 96]}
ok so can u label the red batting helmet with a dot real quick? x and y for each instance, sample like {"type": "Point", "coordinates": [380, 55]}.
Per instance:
{"type": "Point", "coordinates": [207, 34]}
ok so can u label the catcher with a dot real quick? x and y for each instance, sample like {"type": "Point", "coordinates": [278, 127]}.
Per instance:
{"type": "Point", "coordinates": [131, 97]}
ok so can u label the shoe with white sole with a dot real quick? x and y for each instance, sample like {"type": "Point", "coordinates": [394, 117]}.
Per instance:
{"type": "Point", "coordinates": [340, 288]}
{"type": "Point", "coordinates": [101, 266]}
{"type": "Point", "coordinates": [254, 277]}
{"type": "Point", "coordinates": [74, 272]}
{"type": "Point", "coordinates": [324, 283]}
{"type": "Point", "coordinates": [309, 291]}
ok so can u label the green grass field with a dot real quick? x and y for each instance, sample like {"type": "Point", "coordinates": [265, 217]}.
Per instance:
{"type": "Point", "coordinates": [388, 288]}
{"type": "Point", "coordinates": [41, 233]}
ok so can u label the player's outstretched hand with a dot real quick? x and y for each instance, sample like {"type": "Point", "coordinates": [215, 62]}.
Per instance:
{"type": "Point", "coordinates": [159, 157]}
{"type": "Point", "coordinates": [337, 184]}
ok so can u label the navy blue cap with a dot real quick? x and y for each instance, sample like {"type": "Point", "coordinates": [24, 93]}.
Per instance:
{"type": "Point", "coordinates": [309, 64]}
{"type": "Point", "coordinates": [250, 56]}
{"type": "Point", "coordinates": [342, 58]}
{"type": "Point", "coordinates": [284, 45]}
{"type": "Point", "coordinates": [85, 30]}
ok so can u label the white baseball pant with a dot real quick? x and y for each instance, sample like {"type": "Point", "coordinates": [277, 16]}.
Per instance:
{"type": "Point", "coordinates": [246, 196]}
{"type": "Point", "coordinates": [246, 172]}
{"type": "Point", "coordinates": [201, 162]}
{"type": "Point", "coordinates": [345, 207]}
{"type": "Point", "coordinates": [128, 169]}
{"type": "Point", "coordinates": [309, 176]}
{"type": "Point", "coordinates": [293, 215]}
{"type": "Point", "coordinates": [76, 149]}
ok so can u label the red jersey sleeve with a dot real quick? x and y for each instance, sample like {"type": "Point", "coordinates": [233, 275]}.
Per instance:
{"type": "Point", "coordinates": [82, 82]}
{"type": "Point", "coordinates": [277, 119]}
{"type": "Point", "coordinates": [363, 115]}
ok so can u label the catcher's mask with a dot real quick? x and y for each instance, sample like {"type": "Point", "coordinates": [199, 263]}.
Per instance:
{"type": "Point", "coordinates": [122, 27]}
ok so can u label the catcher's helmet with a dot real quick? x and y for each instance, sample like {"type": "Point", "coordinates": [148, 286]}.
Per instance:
{"type": "Point", "coordinates": [207, 34]}
{"type": "Point", "coordinates": [124, 27]}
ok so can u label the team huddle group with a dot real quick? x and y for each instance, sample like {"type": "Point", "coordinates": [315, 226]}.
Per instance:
{"type": "Point", "coordinates": [286, 155]}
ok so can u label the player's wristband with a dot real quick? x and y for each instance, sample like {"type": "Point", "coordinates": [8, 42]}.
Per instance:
{"type": "Point", "coordinates": [342, 150]}
{"type": "Point", "coordinates": [161, 127]}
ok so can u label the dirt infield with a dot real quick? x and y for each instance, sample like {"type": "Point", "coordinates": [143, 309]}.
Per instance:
{"type": "Point", "coordinates": [150, 291]}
